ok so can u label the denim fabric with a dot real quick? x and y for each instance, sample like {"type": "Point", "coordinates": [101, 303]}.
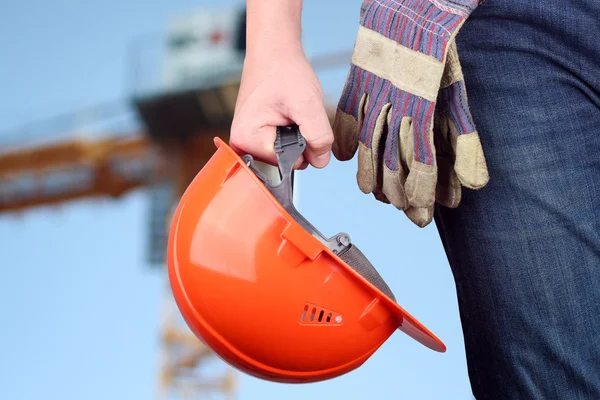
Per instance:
{"type": "Point", "coordinates": [525, 250]}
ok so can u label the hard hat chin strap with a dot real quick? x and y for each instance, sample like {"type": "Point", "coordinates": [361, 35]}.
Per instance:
{"type": "Point", "coordinates": [289, 146]}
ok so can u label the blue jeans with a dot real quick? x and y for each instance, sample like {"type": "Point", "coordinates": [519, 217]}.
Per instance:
{"type": "Point", "coordinates": [525, 250]}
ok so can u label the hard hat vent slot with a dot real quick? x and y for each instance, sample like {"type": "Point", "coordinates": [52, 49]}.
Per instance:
{"type": "Point", "coordinates": [312, 314]}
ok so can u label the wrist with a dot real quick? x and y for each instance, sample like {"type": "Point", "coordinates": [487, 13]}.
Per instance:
{"type": "Point", "coordinates": [275, 49]}
{"type": "Point", "coordinates": [273, 27]}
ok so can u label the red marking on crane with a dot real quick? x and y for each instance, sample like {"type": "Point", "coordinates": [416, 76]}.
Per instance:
{"type": "Point", "coordinates": [216, 37]}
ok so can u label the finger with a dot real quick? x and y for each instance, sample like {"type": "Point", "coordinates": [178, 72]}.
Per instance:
{"type": "Point", "coordinates": [350, 115]}
{"type": "Point", "coordinates": [369, 174]}
{"type": "Point", "coordinates": [420, 216]}
{"type": "Point", "coordinates": [381, 196]}
{"type": "Point", "coordinates": [448, 190]}
{"type": "Point", "coordinates": [421, 184]}
{"type": "Point", "coordinates": [470, 165]}
{"type": "Point", "coordinates": [316, 129]}
{"type": "Point", "coordinates": [302, 165]}
{"type": "Point", "coordinates": [371, 138]}
{"type": "Point", "coordinates": [346, 129]}
{"type": "Point", "coordinates": [394, 165]}
{"type": "Point", "coordinates": [259, 142]}
{"type": "Point", "coordinates": [422, 178]}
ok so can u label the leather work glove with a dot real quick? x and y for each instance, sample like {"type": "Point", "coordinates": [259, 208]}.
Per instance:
{"type": "Point", "coordinates": [403, 55]}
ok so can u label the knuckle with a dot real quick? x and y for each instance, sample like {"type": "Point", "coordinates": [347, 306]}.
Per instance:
{"type": "Point", "coordinates": [309, 100]}
{"type": "Point", "coordinates": [236, 136]}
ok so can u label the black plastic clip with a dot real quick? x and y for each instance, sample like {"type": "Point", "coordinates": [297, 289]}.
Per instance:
{"type": "Point", "coordinates": [289, 146]}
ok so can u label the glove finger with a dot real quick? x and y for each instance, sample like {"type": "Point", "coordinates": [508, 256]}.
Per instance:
{"type": "Point", "coordinates": [381, 196]}
{"type": "Point", "coordinates": [422, 177]}
{"type": "Point", "coordinates": [395, 160]}
{"type": "Point", "coordinates": [349, 115]}
{"type": "Point", "coordinates": [372, 133]}
{"type": "Point", "coordinates": [448, 189]}
{"type": "Point", "coordinates": [470, 164]}
{"type": "Point", "coordinates": [420, 216]}
{"type": "Point", "coordinates": [369, 175]}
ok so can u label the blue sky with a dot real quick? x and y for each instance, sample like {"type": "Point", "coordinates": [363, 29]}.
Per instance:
{"type": "Point", "coordinates": [79, 305]}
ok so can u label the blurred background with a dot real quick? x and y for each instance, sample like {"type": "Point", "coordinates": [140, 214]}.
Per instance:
{"type": "Point", "coordinates": [108, 109]}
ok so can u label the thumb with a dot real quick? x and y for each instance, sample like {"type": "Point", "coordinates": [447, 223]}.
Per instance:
{"type": "Point", "coordinates": [316, 129]}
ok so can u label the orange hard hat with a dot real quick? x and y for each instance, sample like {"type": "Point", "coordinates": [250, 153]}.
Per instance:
{"type": "Point", "coordinates": [263, 289]}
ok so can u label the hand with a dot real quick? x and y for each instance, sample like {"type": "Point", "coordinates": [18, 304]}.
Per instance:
{"type": "Point", "coordinates": [280, 88]}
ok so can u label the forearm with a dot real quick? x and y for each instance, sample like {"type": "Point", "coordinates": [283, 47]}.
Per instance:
{"type": "Point", "coordinates": [273, 26]}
